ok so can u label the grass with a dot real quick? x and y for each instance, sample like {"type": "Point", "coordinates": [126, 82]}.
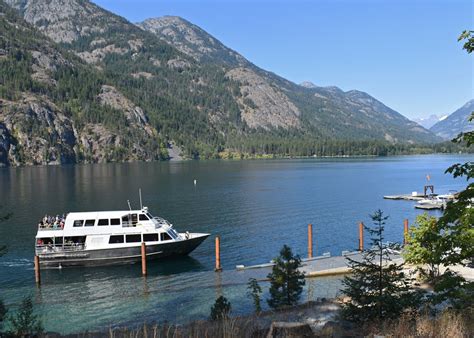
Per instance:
{"type": "Point", "coordinates": [446, 324]}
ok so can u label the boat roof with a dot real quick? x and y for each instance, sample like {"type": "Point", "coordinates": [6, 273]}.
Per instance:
{"type": "Point", "coordinates": [114, 213]}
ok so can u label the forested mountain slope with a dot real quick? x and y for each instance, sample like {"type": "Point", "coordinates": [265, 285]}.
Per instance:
{"type": "Point", "coordinates": [455, 123]}
{"type": "Point", "coordinates": [99, 88]}
{"type": "Point", "coordinates": [325, 112]}
{"type": "Point", "coordinates": [55, 109]}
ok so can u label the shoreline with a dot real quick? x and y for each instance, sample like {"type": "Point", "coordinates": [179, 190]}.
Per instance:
{"type": "Point", "coordinates": [251, 158]}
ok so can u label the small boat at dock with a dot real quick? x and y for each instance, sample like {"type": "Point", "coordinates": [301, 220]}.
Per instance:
{"type": "Point", "coordinates": [108, 238]}
{"type": "Point", "coordinates": [434, 202]}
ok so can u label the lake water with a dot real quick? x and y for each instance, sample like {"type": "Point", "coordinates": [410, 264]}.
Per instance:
{"type": "Point", "coordinates": [255, 206]}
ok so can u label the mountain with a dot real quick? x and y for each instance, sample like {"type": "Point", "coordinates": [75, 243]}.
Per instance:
{"type": "Point", "coordinates": [323, 111]}
{"type": "Point", "coordinates": [192, 40]}
{"type": "Point", "coordinates": [455, 123]}
{"type": "Point", "coordinates": [428, 122]}
{"type": "Point", "coordinates": [81, 84]}
{"type": "Point", "coordinates": [55, 109]}
{"type": "Point", "coordinates": [308, 84]}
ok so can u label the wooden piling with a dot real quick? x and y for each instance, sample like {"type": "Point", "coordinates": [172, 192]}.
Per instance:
{"type": "Point", "coordinates": [310, 240]}
{"type": "Point", "coordinates": [37, 270]}
{"type": "Point", "coordinates": [218, 255]}
{"type": "Point", "coordinates": [361, 236]}
{"type": "Point", "coordinates": [405, 232]}
{"type": "Point", "coordinates": [143, 251]}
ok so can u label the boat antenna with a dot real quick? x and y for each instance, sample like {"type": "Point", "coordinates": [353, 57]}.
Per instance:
{"type": "Point", "coordinates": [140, 193]}
{"type": "Point", "coordinates": [129, 205]}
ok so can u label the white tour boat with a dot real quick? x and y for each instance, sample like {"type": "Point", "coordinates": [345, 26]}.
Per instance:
{"type": "Point", "coordinates": [109, 237]}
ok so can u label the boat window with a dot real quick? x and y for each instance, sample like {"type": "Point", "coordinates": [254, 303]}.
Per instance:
{"type": "Point", "coordinates": [78, 223]}
{"type": "Point", "coordinates": [150, 237]}
{"type": "Point", "coordinates": [134, 238]}
{"type": "Point", "coordinates": [103, 222]}
{"type": "Point", "coordinates": [89, 223]}
{"type": "Point", "coordinates": [143, 217]}
{"type": "Point", "coordinates": [115, 239]}
{"type": "Point", "coordinates": [75, 240]}
{"type": "Point", "coordinates": [134, 219]}
{"type": "Point", "coordinates": [47, 241]}
{"type": "Point", "coordinates": [149, 215]}
{"type": "Point", "coordinates": [58, 241]}
{"type": "Point", "coordinates": [165, 236]}
{"type": "Point", "coordinates": [126, 220]}
{"type": "Point", "coordinates": [115, 221]}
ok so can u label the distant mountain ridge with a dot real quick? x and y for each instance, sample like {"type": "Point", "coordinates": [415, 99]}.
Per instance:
{"type": "Point", "coordinates": [311, 102]}
{"type": "Point", "coordinates": [192, 40]}
{"type": "Point", "coordinates": [308, 84]}
{"type": "Point", "coordinates": [428, 122]}
{"type": "Point", "coordinates": [455, 123]}
{"type": "Point", "coordinates": [125, 91]}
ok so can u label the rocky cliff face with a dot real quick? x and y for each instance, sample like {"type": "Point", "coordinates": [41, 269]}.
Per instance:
{"type": "Point", "coordinates": [37, 127]}
{"type": "Point", "coordinates": [455, 123]}
{"type": "Point", "coordinates": [263, 105]}
{"type": "Point", "coordinates": [269, 101]}
{"type": "Point", "coordinates": [65, 20]}
{"type": "Point", "coordinates": [192, 40]}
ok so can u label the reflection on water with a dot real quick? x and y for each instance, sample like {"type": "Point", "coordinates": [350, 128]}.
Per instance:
{"type": "Point", "coordinates": [254, 206]}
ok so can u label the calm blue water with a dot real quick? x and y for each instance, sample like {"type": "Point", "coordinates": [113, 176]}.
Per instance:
{"type": "Point", "coordinates": [255, 206]}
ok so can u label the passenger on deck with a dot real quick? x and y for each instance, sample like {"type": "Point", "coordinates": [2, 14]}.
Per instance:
{"type": "Point", "coordinates": [52, 222]}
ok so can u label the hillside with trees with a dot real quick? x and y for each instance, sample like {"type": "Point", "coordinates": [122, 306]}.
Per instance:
{"type": "Point", "coordinates": [80, 84]}
{"type": "Point", "coordinates": [455, 123]}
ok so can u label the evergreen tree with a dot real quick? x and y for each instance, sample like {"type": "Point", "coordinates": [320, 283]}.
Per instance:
{"type": "Point", "coordinates": [3, 250]}
{"type": "Point", "coordinates": [286, 281]}
{"type": "Point", "coordinates": [3, 313]}
{"type": "Point", "coordinates": [25, 323]}
{"type": "Point", "coordinates": [221, 309]}
{"type": "Point", "coordinates": [377, 287]}
{"type": "Point", "coordinates": [254, 291]}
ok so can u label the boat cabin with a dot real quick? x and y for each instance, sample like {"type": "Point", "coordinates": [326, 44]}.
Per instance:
{"type": "Point", "coordinates": [79, 231]}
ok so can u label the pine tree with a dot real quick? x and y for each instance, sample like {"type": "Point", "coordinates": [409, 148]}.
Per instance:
{"type": "Point", "coordinates": [3, 312]}
{"type": "Point", "coordinates": [286, 281]}
{"type": "Point", "coordinates": [221, 309]}
{"type": "Point", "coordinates": [254, 291]}
{"type": "Point", "coordinates": [377, 287]}
{"type": "Point", "coordinates": [3, 250]}
{"type": "Point", "coordinates": [25, 323]}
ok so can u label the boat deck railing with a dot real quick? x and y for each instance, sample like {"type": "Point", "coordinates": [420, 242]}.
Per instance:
{"type": "Point", "coordinates": [50, 227]}
{"type": "Point", "coordinates": [60, 248]}
{"type": "Point", "coordinates": [162, 222]}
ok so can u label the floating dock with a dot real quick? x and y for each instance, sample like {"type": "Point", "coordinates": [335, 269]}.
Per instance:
{"type": "Point", "coordinates": [325, 265]}
{"type": "Point", "coordinates": [405, 197]}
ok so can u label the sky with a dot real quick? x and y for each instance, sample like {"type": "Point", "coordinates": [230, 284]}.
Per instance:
{"type": "Point", "coordinates": [403, 52]}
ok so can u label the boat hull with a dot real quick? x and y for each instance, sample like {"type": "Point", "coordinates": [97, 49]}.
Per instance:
{"type": "Point", "coordinates": [117, 256]}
